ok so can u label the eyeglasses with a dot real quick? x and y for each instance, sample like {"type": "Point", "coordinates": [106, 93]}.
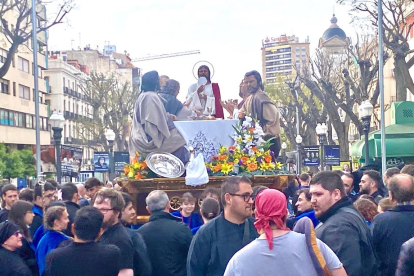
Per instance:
{"type": "Point", "coordinates": [246, 197]}
{"type": "Point", "coordinates": [105, 210]}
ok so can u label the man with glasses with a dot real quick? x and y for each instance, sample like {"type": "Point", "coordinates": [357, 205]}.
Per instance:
{"type": "Point", "coordinates": [44, 195]}
{"type": "Point", "coordinates": [216, 242]}
{"type": "Point", "coordinates": [111, 203]}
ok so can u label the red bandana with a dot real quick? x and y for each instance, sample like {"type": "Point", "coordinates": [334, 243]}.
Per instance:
{"type": "Point", "coordinates": [270, 206]}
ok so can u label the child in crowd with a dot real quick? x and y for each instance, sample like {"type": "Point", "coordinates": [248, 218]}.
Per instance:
{"type": "Point", "coordinates": [187, 214]}
{"type": "Point", "coordinates": [210, 208]}
{"type": "Point", "coordinates": [384, 205]}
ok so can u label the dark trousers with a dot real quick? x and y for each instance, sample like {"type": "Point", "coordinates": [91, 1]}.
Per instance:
{"type": "Point", "coordinates": [275, 147]}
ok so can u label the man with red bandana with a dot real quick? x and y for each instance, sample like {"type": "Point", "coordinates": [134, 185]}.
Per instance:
{"type": "Point", "coordinates": [279, 251]}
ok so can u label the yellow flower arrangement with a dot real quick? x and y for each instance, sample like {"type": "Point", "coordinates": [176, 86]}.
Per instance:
{"type": "Point", "coordinates": [137, 169]}
{"type": "Point", "coordinates": [250, 153]}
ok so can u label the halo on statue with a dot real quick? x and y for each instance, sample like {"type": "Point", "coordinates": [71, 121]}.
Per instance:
{"type": "Point", "coordinates": [206, 63]}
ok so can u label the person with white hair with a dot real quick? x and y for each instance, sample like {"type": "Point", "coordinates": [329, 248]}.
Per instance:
{"type": "Point", "coordinates": [166, 237]}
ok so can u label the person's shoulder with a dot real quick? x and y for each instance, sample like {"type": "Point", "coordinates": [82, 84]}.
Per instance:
{"type": "Point", "coordinates": [210, 227]}
{"type": "Point", "coordinates": [108, 249]}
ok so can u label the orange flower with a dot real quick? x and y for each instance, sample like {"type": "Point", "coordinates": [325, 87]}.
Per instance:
{"type": "Point", "coordinates": [222, 157]}
{"type": "Point", "coordinates": [138, 176]}
{"type": "Point", "coordinates": [244, 159]}
{"type": "Point", "coordinates": [254, 149]}
{"type": "Point", "coordinates": [232, 147]}
{"type": "Point", "coordinates": [252, 167]}
{"type": "Point", "coordinates": [135, 159]}
{"type": "Point", "coordinates": [251, 130]}
{"type": "Point", "coordinates": [144, 165]}
{"type": "Point", "coordinates": [217, 168]}
{"type": "Point", "coordinates": [268, 158]}
{"type": "Point", "coordinates": [126, 169]}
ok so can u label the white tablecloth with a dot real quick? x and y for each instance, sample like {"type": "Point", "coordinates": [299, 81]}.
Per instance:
{"type": "Point", "coordinates": [207, 136]}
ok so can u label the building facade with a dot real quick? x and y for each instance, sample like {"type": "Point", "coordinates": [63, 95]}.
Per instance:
{"type": "Point", "coordinates": [17, 96]}
{"type": "Point", "coordinates": [283, 56]}
{"type": "Point", "coordinates": [65, 80]}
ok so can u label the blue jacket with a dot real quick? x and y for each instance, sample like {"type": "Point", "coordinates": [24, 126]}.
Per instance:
{"type": "Point", "coordinates": [310, 214]}
{"type": "Point", "coordinates": [50, 241]}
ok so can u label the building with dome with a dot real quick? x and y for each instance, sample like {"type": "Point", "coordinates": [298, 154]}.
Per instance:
{"type": "Point", "coordinates": [334, 39]}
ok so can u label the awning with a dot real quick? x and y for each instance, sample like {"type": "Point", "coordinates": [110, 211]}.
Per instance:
{"type": "Point", "coordinates": [399, 142]}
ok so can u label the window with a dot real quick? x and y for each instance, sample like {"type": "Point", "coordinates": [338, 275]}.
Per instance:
{"type": "Point", "coordinates": [4, 86]}
{"type": "Point", "coordinates": [29, 121]}
{"type": "Point", "coordinates": [23, 64]}
{"type": "Point", "coordinates": [303, 48]}
{"type": "Point", "coordinates": [297, 48]}
{"type": "Point", "coordinates": [3, 55]}
{"type": "Point", "coordinates": [24, 92]}
{"type": "Point", "coordinates": [4, 120]}
{"type": "Point", "coordinates": [11, 118]}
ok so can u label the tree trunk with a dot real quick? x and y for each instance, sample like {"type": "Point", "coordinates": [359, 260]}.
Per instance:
{"type": "Point", "coordinates": [5, 68]}
{"type": "Point", "coordinates": [401, 90]}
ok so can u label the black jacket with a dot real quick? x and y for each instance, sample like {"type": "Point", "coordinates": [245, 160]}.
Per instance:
{"type": "Point", "coordinates": [72, 209]}
{"type": "Point", "coordinates": [344, 230]}
{"type": "Point", "coordinates": [405, 266]}
{"type": "Point", "coordinates": [142, 263]}
{"type": "Point", "coordinates": [389, 231]}
{"type": "Point", "coordinates": [168, 241]}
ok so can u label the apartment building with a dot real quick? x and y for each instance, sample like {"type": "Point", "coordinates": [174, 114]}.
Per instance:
{"type": "Point", "coordinates": [65, 79]}
{"type": "Point", "coordinates": [282, 56]}
{"type": "Point", "coordinates": [17, 96]}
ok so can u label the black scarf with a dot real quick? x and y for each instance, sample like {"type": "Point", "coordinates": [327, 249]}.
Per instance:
{"type": "Point", "coordinates": [344, 202]}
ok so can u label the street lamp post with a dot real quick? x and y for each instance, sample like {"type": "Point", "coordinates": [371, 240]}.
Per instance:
{"type": "Point", "coordinates": [365, 113]}
{"type": "Point", "coordinates": [110, 136]}
{"type": "Point", "coordinates": [321, 131]}
{"type": "Point", "coordinates": [299, 159]}
{"type": "Point", "coordinates": [284, 146]}
{"type": "Point", "coordinates": [57, 121]}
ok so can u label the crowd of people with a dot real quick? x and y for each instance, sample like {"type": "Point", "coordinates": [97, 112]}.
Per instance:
{"type": "Point", "coordinates": [330, 223]}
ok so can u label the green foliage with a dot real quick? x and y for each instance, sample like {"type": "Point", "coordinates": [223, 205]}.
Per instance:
{"type": "Point", "coordinates": [26, 155]}
{"type": "Point", "coordinates": [18, 163]}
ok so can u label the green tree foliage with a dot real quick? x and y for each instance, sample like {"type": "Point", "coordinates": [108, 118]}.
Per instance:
{"type": "Point", "coordinates": [289, 95]}
{"type": "Point", "coordinates": [17, 163]}
{"type": "Point", "coordinates": [26, 155]}
{"type": "Point", "coordinates": [112, 104]}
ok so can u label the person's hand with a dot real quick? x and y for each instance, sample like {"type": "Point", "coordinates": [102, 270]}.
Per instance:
{"type": "Point", "coordinates": [200, 89]}
{"type": "Point", "coordinates": [242, 115]}
{"type": "Point", "coordinates": [187, 104]}
{"type": "Point", "coordinates": [198, 112]}
{"type": "Point", "coordinates": [229, 105]}
{"type": "Point", "coordinates": [173, 117]}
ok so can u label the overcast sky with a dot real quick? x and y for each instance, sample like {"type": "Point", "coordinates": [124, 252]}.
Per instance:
{"type": "Point", "coordinates": [228, 33]}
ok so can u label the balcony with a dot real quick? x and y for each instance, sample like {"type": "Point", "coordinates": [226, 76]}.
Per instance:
{"type": "Point", "coordinates": [66, 90]}
{"type": "Point", "coordinates": [41, 37]}
{"type": "Point", "coordinates": [41, 12]}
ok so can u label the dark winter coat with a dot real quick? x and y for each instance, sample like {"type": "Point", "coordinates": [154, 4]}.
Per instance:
{"type": "Point", "coordinates": [389, 231]}
{"type": "Point", "coordinates": [168, 241]}
{"type": "Point", "coordinates": [405, 266]}
{"type": "Point", "coordinates": [344, 230]}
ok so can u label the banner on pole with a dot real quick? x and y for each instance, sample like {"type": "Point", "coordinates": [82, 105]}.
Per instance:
{"type": "Point", "coordinates": [101, 161]}
{"type": "Point", "coordinates": [311, 157]}
{"type": "Point", "coordinates": [47, 158]}
{"type": "Point", "coordinates": [71, 160]}
{"type": "Point", "coordinates": [332, 155]}
{"type": "Point", "coordinates": [120, 159]}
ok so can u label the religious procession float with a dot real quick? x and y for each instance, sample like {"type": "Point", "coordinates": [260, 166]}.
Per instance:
{"type": "Point", "coordinates": [219, 149]}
